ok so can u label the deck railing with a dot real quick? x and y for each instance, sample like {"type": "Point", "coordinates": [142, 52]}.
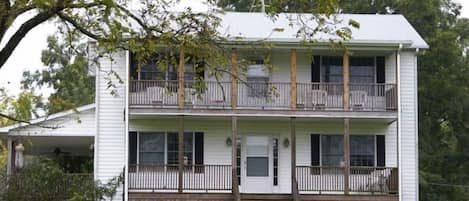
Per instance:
{"type": "Point", "coordinates": [263, 95]}
{"type": "Point", "coordinates": [318, 180]}
{"type": "Point", "coordinates": [165, 177]}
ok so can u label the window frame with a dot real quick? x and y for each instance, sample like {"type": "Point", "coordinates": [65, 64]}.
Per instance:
{"type": "Point", "coordinates": [375, 154]}
{"type": "Point", "coordinates": [322, 69]}
{"type": "Point", "coordinates": [166, 133]}
{"type": "Point", "coordinates": [170, 73]}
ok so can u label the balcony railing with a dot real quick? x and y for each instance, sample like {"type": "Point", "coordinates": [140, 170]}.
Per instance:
{"type": "Point", "coordinates": [165, 177]}
{"type": "Point", "coordinates": [263, 95]}
{"type": "Point", "coordinates": [319, 180]}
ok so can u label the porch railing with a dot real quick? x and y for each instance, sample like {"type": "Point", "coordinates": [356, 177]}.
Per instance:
{"type": "Point", "coordinates": [362, 179]}
{"type": "Point", "coordinates": [165, 177]}
{"type": "Point", "coordinates": [263, 95]}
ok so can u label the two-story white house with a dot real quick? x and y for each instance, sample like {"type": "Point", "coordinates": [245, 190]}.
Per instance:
{"type": "Point", "coordinates": [325, 124]}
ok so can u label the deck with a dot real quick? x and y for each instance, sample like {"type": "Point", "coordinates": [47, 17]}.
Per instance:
{"type": "Point", "coordinates": [276, 96]}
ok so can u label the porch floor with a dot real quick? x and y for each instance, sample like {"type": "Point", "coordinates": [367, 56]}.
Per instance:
{"type": "Point", "coordinates": [134, 196]}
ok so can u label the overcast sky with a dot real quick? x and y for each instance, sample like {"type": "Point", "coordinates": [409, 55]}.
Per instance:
{"type": "Point", "coordinates": [27, 56]}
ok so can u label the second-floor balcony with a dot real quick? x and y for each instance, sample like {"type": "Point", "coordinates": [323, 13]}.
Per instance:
{"type": "Point", "coordinates": [263, 95]}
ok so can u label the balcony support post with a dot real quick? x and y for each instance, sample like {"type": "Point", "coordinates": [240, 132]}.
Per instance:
{"type": "Point", "coordinates": [294, 183]}
{"type": "Point", "coordinates": [181, 68]}
{"type": "Point", "coordinates": [346, 103]}
{"type": "Point", "coordinates": [293, 72]}
{"type": "Point", "coordinates": [180, 153]}
{"type": "Point", "coordinates": [234, 143]}
{"type": "Point", "coordinates": [234, 79]}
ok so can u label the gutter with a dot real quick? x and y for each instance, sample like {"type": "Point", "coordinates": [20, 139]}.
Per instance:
{"type": "Point", "coordinates": [399, 110]}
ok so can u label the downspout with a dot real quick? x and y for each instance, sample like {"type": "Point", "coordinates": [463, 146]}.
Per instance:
{"type": "Point", "coordinates": [126, 123]}
{"type": "Point", "coordinates": [399, 138]}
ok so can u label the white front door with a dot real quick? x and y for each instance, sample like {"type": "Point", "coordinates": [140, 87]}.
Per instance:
{"type": "Point", "coordinates": [257, 165]}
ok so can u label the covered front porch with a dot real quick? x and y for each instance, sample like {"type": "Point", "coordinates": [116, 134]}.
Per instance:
{"type": "Point", "coordinates": [261, 158]}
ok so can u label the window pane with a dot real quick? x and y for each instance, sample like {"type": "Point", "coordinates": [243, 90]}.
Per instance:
{"type": "Point", "coordinates": [151, 148]}
{"type": "Point", "coordinates": [332, 149]}
{"type": "Point", "coordinates": [152, 158]}
{"type": "Point", "coordinates": [362, 150]}
{"type": "Point", "coordinates": [173, 141]}
{"type": "Point", "coordinates": [362, 70]}
{"type": "Point", "coordinates": [257, 166]}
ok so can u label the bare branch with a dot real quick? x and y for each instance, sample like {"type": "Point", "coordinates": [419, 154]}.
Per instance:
{"type": "Point", "coordinates": [26, 122]}
{"type": "Point", "coordinates": [8, 49]}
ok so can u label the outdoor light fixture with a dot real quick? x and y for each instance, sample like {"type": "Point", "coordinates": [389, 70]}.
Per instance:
{"type": "Point", "coordinates": [286, 142]}
{"type": "Point", "coordinates": [228, 141]}
{"type": "Point", "coordinates": [19, 162]}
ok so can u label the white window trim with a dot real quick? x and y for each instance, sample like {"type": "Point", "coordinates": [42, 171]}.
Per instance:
{"type": "Point", "coordinates": [165, 133]}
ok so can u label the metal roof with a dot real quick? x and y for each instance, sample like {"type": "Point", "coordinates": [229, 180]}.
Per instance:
{"type": "Point", "coordinates": [374, 29]}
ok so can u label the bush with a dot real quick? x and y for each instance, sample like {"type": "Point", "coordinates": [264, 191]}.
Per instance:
{"type": "Point", "coordinates": [46, 181]}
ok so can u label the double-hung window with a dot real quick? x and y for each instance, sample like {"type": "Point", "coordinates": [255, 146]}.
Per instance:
{"type": "Point", "coordinates": [161, 148]}
{"type": "Point", "coordinates": [365, 150]}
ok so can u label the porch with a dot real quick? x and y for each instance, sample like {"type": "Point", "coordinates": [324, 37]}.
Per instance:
{"type": "Point", "coordinates": [379, 97]}
{"type": "Point", "coordinates": [264, 152]}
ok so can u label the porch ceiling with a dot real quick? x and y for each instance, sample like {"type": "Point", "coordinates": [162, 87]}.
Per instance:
{"type": "Point", "coordinates": [47, 145]}
{"type": "Point", "coordinates": [384, 117]}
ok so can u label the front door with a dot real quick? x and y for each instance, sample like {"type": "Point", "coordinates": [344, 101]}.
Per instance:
{"type": "Point", "coordinates": [257, 168]}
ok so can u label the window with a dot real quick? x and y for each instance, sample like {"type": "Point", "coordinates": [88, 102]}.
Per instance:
{"type": "Point", "coordinates": [151, 148]}
{"type": "Point", "coordinates": [159, 148]}
{"type": "Point", "coordinates": [362, 69]}
{"type": "Point", "coordinates": [332, 147]}
{"type": "Point", "coordinates": [162, 67]}
{"type": "Point", "coordinates": [363, 149]}
{"type": "Point", "coordinates": [275, 161]}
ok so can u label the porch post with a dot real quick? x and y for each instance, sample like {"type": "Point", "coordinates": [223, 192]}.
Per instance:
{"type": "Point", "coordinates": [346, 97]}
{"type": "Point", "coordinates": [234, 142]}
{"type": "Point", "coordinates": [181, 68]}
{"type": "Point", "coordinates": [293, 72]}
{"type": "Point", "coordinates": [234, 79]}
{"type": "Point", "coordinates": [11, 156]}
{"type": "Point", "coordinates": [180, 153]}
{"type": "Point", "coordinates": [294, 184]}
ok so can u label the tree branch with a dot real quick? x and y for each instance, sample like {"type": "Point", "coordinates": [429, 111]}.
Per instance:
{"type": "Point", "coordinates": [26, 122]}
{"type": "Point", "coordinates": [78, 26]}
{"type": "Point", "coordinates": [8, 49]}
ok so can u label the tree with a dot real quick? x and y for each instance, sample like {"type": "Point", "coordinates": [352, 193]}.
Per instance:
{"type": "Point", "coordinates": [67, 74]}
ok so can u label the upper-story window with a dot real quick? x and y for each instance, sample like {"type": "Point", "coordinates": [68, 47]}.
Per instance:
{"type": "Point", "coordinates": [164, 67]}
{"type": "Point", "coordinates": [362, 69]}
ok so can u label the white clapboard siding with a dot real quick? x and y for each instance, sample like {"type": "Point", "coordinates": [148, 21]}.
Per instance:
{"type": "Point", "coordinates": [408, 96]}
{"type": "Point", "coordinates": [76, 124]}
{"type": "Point", "coordinates": [110, 138]}
{"type": "Point", "coordinates": [216, 131]}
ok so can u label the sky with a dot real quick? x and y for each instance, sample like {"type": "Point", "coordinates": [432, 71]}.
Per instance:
{"type": "Point", "coordinates": [27, 55]}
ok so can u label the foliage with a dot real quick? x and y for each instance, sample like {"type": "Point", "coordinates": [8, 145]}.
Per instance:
{"type": "Point", "coordinates": [22, 107]}
{"type": "Point", "coordinates": [66, 74]}
{"type": "Point", "coordinates": [45, 180]}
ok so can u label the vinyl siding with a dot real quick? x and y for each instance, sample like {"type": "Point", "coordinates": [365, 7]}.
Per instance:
{"type": "Point", "coordinates": [79, 124]}
{"type": "Point", "coordinates": [110, 138]}
{"type": "Point", "coordinates": [408, 96]}
{"type": "Point", "coordinates": [216, 132]}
